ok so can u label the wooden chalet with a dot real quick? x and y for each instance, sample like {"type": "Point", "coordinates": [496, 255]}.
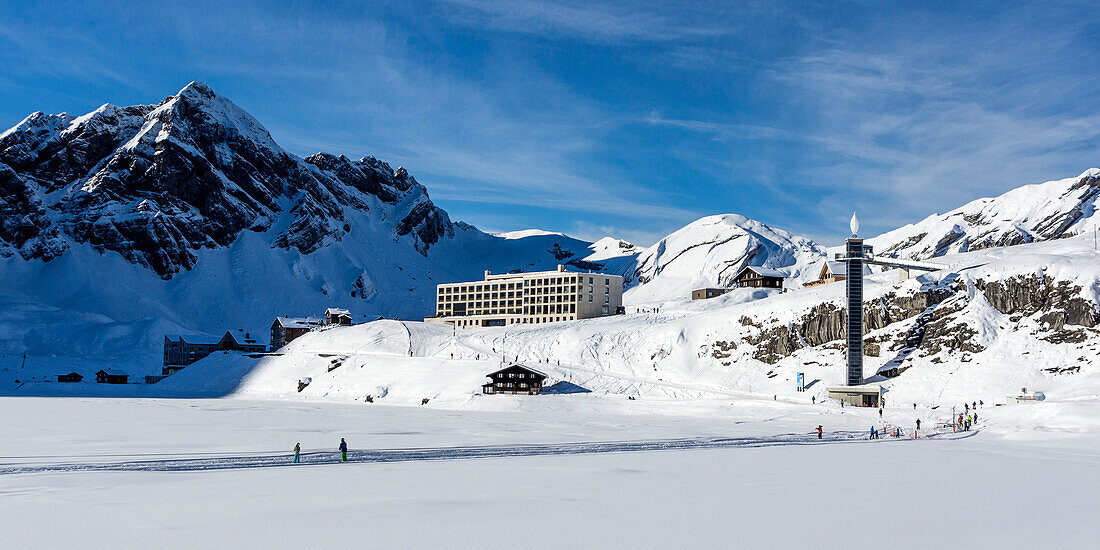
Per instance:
{"type": "Point", "coordinates": [71, 377]}
{"type": "Point", "coordinates": [337, 316]}
{"type": "Point", "coordinates": [112, 376]}
{"type": "Point", "coordinates": [286, 329]}
{"type": "Point", "coordinates": [242, 341]}
{"type": "Point", "coordinates": [707, 293]}
{"type": "Point", "coordinates": [181, 350]}
{"type": "Point", "coordinates": [753, 276]}
{"type": "Point", "coordinates": [515, 379]}
{"type": "Point", "coordinates": [833, 272]}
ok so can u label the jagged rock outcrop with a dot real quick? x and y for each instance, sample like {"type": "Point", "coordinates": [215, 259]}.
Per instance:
{"type": "Point", "coordinates": [936, 325]}
{"type": "Point", "coordinates": [1026, 295]}
{"type": "Point", "coordinates": [827, 322]}
{"type": "Point", "coordinates": [24, 226]}
{"type": "Point", "coordinates": [156, 183]}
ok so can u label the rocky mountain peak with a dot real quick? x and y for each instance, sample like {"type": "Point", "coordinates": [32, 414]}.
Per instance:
{"type": "Point", "coordinates": [1032, 213]}
{"type": "Point", "coordinates": [157, 183]}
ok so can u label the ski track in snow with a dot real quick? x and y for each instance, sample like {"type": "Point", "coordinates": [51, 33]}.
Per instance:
{"type": "Point", "coordinates": [451, 453]}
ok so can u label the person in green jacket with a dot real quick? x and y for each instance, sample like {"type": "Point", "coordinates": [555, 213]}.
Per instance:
{"type": "Point", "coordinates": [297, 451]}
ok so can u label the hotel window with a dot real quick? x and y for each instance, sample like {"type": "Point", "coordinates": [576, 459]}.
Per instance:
{"type": "Point", "coordinates": [607, 281]}
{"type": "Point", "coordinates": [590, 298]}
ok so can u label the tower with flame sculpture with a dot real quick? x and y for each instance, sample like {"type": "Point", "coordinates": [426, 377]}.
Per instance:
{"type": "Point", "coordinates": [855, 253]}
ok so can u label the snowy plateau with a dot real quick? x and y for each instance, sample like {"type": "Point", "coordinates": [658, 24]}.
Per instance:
{"type": "Point", "coordinates": [676, 424]}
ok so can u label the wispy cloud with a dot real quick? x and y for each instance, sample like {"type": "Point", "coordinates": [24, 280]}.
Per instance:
{"type": "Point", "coordinates": [611, 22]}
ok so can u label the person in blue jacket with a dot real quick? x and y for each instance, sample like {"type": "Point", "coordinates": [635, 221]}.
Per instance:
{"type": "Point", "coordinates": [343, 450]}
{"type": "Point", "coordinates": [297, 451]}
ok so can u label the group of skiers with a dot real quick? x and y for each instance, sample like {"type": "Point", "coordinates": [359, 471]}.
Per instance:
{"type": "Point", "coordinates": [970, 410]}
{"type": "Point", "coordinates": [343, 451]}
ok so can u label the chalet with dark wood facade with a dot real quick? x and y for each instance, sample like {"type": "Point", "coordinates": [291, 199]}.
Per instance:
{"type": "Point", "coordinates": [759, 277]}
{"type": "Point", "coordinates": [833, 272]}
{"type": "Point", "coordinates": [286, 329]}
{"type": "Point", "coordinates": [71, 377]}
{"type": "Point", "coordinates": [112, 376]}
{"type": "Point", "coordinates": [181, 350]}
{"type": "Point", "coordinates": [707, 293]}
{"type": "Point", "coordinates": [337, 316]}
{"type": "Point", "coordinates": [515, 379]}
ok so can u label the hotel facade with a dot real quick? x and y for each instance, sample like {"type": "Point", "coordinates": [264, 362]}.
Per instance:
{"type": "Point", "coordinates": [528, 298]}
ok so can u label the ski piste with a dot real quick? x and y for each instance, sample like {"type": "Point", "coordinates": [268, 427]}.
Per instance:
{"type": "Point", "coordinates": [277, 459]}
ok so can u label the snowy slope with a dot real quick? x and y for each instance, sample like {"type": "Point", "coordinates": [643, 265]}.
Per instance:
{"type": "Point", "coordinates": [1051, 210]}
{"type": "Point", "coordinates": [711, 251]}
{"type": "Point", "coordinates": [979, 337]}
{"type": "Point", "coordinates": [187, 216]}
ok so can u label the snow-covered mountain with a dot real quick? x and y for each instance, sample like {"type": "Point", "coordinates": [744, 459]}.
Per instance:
{"type": "Point", "coordinates": [1040, 212]}
{"type": "Point", "coordinates": [711, 251]}
{"type": "Point", "coordinates": [129, 222]}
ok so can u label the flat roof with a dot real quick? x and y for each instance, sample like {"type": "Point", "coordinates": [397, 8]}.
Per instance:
{"type": "Point", "coordinates": [855, 389]}
{"type": "Point", "coordinates": [531, 275]}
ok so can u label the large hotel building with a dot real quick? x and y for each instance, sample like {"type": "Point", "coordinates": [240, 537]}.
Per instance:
{"type": "Point", "coordinates": [528, 298]}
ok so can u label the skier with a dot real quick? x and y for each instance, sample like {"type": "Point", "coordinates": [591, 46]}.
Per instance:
{"type": "Point", "coordinates": [974, 405]}
{"type": "Point", "coordinates": [918, 423]}
{"type": "Point", "coordinates": [297, 450]}
{"type": "Point", "coordinates": [819, 431]}
{"type": "Point", "coordinates": [872, 432]}
{"type": "Point", "coordinates": [343, 450]}
{"type": "Point", "coordinates": [914, 406]}
{"type": "Point", "coordinates": [813, 400]}
{"type": "Point", "coordinates": [880, 413]}
{"type": "Point", "coordinates": [982, 403]}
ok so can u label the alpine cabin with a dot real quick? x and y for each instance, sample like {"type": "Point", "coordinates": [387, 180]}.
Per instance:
{"type": "Point", "coordinates": [515, 379]}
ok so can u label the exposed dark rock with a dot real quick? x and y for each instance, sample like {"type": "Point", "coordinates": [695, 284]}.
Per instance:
{"type": "Point", "coordinates": [156, 183]}
{"type": "Point", "coordinates": [24, 226]}
{"type": "Point", "coordinates": [1027, 295]}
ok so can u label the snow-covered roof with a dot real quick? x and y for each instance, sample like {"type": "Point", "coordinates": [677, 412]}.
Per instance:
{"type": "Point", "coordinates": [299, 322]}
{"type": "Point", "coordinates": [764, 271]}
{"type": "Point", "coordinates": [337, 311]}
{"type": "Point", "coordinates": [522, 366]}
{"type": "Point", "coordinates": [113, 372]}
{"type": "Point", "coordinates": [194, 338]}
{"type": "Point", "coordinates": [839, 268]}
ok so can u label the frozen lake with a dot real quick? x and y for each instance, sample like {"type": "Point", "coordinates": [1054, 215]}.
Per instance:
{"type": "Point", "coordinates": [713, 474]}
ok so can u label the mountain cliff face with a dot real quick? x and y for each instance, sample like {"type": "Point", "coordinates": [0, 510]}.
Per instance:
{"type": "Point", "coordinates": [156, 183]}
{"type": "Point", "coordinates": [1032, 213]}
{"type": "Point", "coordinates": [128, 222]}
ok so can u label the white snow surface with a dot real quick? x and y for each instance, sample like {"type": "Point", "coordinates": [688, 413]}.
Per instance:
{"type": "Point", "coordinates": [644, 439]}
{"type": "Point", "coordinates": [1030, 213]}
{"type": "Point", "coordinates": [711, 251]}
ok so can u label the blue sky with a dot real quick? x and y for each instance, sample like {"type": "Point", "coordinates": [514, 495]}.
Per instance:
{"type": "Point", "coordinates": [619, 118]}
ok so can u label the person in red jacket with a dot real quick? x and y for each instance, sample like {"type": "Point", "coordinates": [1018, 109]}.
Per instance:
{"type": "Point", "coordinates": [819, 431]}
